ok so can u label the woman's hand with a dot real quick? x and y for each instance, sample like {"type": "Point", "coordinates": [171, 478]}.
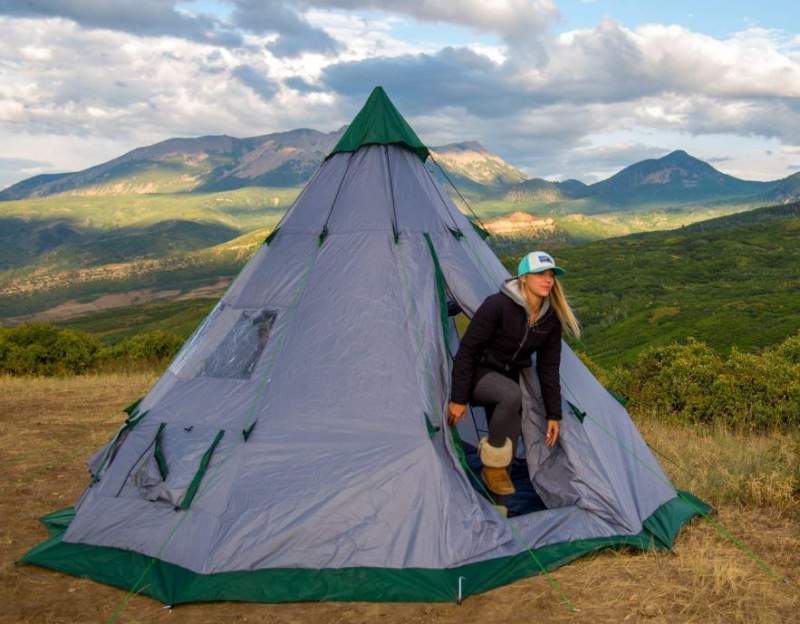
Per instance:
{"type": "Point", "coordinates": [553, 429]}
{"type": "Point", "coordinates": [455, 412]}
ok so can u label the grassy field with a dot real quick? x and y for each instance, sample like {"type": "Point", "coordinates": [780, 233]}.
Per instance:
{"type": "Point", "coordinates": [48, 427]}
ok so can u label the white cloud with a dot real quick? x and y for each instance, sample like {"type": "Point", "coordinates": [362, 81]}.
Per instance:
{"type": "Point", "coordinates": [539, 100]}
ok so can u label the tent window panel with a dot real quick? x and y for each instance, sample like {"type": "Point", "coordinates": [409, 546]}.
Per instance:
{"type": "Point", "coordinates": [238, 353]}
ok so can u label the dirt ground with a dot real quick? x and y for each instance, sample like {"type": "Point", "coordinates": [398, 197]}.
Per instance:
{"type": "Point", "coordinates": [48, 427]}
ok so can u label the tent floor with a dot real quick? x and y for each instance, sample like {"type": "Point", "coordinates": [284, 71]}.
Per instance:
{"type": "Point", "coordinates": [525, 500]}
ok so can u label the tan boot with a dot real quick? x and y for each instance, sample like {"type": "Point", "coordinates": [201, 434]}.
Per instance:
{"type": "Point", "coordinates": [495, 467]}
{"type": "Point", "coordinates": [502, 510]}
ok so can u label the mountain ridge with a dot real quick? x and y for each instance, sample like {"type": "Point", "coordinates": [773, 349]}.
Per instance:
{"type": "Point", "coordinates": [213, 163]}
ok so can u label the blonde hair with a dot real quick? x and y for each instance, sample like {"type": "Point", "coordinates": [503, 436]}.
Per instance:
{"type": "Point", "coordinates": [558, 299]}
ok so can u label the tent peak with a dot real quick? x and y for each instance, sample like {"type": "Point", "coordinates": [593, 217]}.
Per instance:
{"type": "Point", "coordinates": [380, 123]}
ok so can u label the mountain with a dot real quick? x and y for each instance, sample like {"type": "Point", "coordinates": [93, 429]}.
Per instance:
{"type": "Point", "coordinates": [786, 190]}
{"type": "Point", "coordinates": [473, 163]}
{"type": "Point", "coordinates": [208, 163]}
{"type": "Point", "coordinates": [288, 159]}
{"type": "Point", "coordinates": [223, 163]}
{"type": "Point", "coordinates": [541, 190]}
{"type": "Point", "coordinates": [676, 177]}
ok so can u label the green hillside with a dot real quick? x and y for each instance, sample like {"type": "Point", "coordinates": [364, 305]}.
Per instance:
{"type": "Point", "coordinates": [177, 317]}
{"type": "Point", "coordinates": [731, 281]}
{"type": "Point", "coordinates": [241, 209]}
{"type": "Point", "coordinates": [176, 275]}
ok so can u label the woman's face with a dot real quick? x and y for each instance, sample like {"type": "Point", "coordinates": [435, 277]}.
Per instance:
{"type": "Point", "coordinates": [540, 284]}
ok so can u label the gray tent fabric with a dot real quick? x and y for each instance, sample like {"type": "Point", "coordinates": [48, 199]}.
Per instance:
{"type": "Point", "coordinates": [297, 413]}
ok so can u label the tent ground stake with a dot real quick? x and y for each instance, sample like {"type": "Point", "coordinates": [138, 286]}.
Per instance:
{"type": "Point", "coordinates": [460, 587]}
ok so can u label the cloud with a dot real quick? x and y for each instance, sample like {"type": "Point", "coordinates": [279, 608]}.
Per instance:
{"type": "Point", "coordinates": [140, 17]}
{"type": "Point", "coordinates": [664, 77]}
{"type": "Point", "coordinates": [256, 80]}
{"type": "Point", "coordinates": [520, 23]}
{"type": "Point", "coordinates": [133, 73]}
{"type": "Point", "coordinates": [295, 34]}
{"type": "Point", "coordinates": [107, 84]}
{"type": "Point", "coordinates": [451, 77]}
{"type": "Point", "coordinates": [302, 86]}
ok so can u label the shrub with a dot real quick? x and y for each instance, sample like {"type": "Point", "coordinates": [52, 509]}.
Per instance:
{"type": "Point", "coordinates": [692, 383]}
{"type": "Point", "coordinates": [152, 348]}
{"type": "Point", "coordinates": [42, 349]}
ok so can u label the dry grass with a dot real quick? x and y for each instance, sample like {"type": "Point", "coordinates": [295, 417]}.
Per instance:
{"type": "Point", "coordinates": [48, 427]}
{"type": "Point", "coordinates": [729, 468]}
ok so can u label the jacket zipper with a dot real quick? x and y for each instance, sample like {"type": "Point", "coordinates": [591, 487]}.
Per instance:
{"type": "Point", "coordinates": [522, 342]}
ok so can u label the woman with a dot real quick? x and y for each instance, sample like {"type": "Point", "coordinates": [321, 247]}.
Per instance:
{"type": "Point", "coordinates": [526, 316]}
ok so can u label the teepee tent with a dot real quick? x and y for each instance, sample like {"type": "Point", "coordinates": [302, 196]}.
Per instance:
{"type": "Point", "coordinates": [296, 447]}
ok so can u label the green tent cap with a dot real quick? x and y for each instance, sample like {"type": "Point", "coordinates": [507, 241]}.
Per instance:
{"type": "Point", "coordinates": [380, 123]}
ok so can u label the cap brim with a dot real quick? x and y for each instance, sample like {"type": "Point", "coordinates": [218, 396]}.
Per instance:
{"type": "Point", "coordinates": [555, 269]}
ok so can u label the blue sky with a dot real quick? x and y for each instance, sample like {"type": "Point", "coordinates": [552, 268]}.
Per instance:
{"type": "Point", "coordinates": [561, 89]}
{"type": "Point", "coordinates": [717, 18]}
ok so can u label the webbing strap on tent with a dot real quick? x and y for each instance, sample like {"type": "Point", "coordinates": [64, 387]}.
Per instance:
{"type": "Point", "coordinates": [131, 422]}
{"type": "Point", "coordinates": [201, 470]}
{"type": "Point", "coordinates": [324, 234]}
{"type": "Point", "coordinates": [133, 407]}
{"type": "Point", "coordinates": [576, 411]}
{"type": "Point", "coordinates": [158, 454]}
{"type": "Point", "coordinates": [440, 289]}
{"type": "Point", "coordinates": [482, 231]}
{"type": "Point", "coordinates": [247, 431]}
{"type": "Point", "coordinates": [432, 430]}
{"type": "Point", "coordinates": [395, 226]}
{"type": "Point", "coordinates": [271, 236]}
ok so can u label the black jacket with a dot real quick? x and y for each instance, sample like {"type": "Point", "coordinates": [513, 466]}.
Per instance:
{"type": "Point", "coordinates": [499, 338]}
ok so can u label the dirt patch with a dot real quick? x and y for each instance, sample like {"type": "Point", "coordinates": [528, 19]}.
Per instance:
{"type": "Point", "coordinates": [521, 224]}
{"type": "Point", "coordinates": [48, 427]}
{"type": "Point", "coordinates": [72, 309]}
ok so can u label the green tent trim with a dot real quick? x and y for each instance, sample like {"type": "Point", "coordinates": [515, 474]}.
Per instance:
{"type": "Point", "coordinates": [172, 584]}
{"type": "Point", "coordinates": [380, 123]}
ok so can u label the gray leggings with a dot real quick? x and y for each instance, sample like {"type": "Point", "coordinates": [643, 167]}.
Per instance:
{"type": "Point", "coordinates": [501, 397]}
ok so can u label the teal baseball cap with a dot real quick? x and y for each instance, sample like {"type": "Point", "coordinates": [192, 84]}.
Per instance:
{"type": "Point", "coordinates": [537, 262]}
